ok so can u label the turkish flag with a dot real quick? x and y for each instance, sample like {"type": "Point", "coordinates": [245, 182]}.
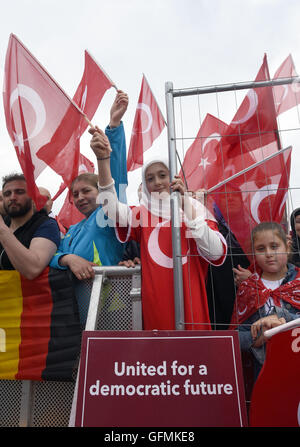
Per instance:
{"type": "Point", "coordinates": [255, 195]}
{"type": "Point", "coordinates": [69, 214]}
{"type": "Point", "coordinates": [147, 126]}
{"type": "Point", "coordinates": [34, 107]}
{"type": "Point", "coordinates": [275, 400]}
{"type": "Point", "coordinates": [64, 160]}
{"type": "Point", "coordinates": [254, 125]}
{"type": "Point", "coordinates": [287, 95]}
{"type": "Point", "coordinates": [200, 166]}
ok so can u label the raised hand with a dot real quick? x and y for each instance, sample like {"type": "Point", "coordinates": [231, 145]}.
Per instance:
{"type": "Point", "coordinates": [118, 108]}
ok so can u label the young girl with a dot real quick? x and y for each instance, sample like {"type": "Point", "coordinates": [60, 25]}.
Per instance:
{"type": "Point", "coordinates": [149, 224]}
{"type": "Point", "coordinates": [269, 298]}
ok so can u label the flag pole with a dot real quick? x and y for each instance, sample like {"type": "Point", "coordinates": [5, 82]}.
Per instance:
{"type": "Point", "coordinates": [255, 165]}
{"type": "Point", "coordinates": [175, 214]}
{"type": "Point", "coordinates": [48, 74]}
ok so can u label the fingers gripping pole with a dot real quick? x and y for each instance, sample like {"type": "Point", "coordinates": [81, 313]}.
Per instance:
{"type": "Point", "coordinates": [175, 213]}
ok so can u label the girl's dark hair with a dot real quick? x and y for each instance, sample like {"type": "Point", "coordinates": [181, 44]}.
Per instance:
{"type": "Point", "coordinates": [88, 177]}
{"type": "Point", "coordinates": [273, 226]}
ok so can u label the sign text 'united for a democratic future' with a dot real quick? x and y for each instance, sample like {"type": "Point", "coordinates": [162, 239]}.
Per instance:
{"type": "Point", "coordinates": [166, 387]}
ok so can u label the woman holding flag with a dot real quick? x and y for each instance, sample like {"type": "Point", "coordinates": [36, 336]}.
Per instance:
{"type": "Point", "coordinates": [92, 241]}
{"type": "Point", "coordinates": [149, 224]}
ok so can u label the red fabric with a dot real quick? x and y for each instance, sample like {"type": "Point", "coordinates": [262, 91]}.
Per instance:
{"type": "Point", "coordinates": [288, 95]}
{"type": "Point", "coordinates": [200, 165]}
{"type": "Point", "coordinates": [35, 327]}
{"type": "Point", "coordinates": [69, 214]}
{"type": "Point", "coordinates": [34, 108]}
{"type": "Point", "coordinates": [254, 124]}
{"type": "Point", "coordinates": [155, 240]}
{"type": "Point", "coordinates": [252, 294]}
{"type": "Point", "coordinates": [147, 126]}
{"type": "Point", "coordinates": [255, 196]}
{"type": "Point", "coordinates": [65, 159]}
{"type": "Point", "coordinates": [275, 396]}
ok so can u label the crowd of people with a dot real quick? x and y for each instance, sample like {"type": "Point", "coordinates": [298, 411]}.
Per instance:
{"type": "Point", "coordinates": [221, 289]}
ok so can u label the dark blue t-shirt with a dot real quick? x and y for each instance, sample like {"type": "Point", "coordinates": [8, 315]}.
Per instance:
{"type": "Point", "coordinates": [49, 230]}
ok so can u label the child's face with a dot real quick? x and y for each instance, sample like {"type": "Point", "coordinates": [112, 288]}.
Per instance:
{"type": "Point", "coordinates": [157, 178]}
{"type": "Point", "coordinates": [271, 254]}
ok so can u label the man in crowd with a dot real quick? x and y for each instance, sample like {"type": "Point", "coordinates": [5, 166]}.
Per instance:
{"type": "Point", "coordinates": [2, 212]}
{"type": "Point", "coordinates": [28, 238]}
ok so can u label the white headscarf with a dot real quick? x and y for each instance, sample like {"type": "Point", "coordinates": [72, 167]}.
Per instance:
{"type": "Point", "coordinates": [159, 204]}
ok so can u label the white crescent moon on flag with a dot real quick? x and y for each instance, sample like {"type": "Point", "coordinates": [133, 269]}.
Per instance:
{"type": "Point", "coordinates": [155, 252]}
{"type": "Point", "coordinates": [253, 102]}
{"type": "Point", "coordinates": [242, 311]}
{"type": "Point", "coordinates": [258, 197]}
{"type": "Point", "coordinates": [147, 110]}
{"type": "Point", "coordinates": [83, 99]}
{"type": "Point", "coordinates": [298, 414]}
{"type": "Point", "coordinates": [286, 89]}
{"type": "Point", "coordinates": [37, 104]}
{"type": "Point", "coordinates": [216, 136]}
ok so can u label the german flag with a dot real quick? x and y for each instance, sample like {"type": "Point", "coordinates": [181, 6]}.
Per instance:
{"type": "Point", "coordinates": [39, 326]}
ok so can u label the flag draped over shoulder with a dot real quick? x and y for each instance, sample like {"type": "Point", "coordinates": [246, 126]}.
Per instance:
{"type": "Point", "coordinates": [147, 126]}
{"type": "Point", "coordinates": [39, 319]}
{"type": "Point", "coordinates": [65, 159]}
{"type": "Point", "coordinates": [35, 108]}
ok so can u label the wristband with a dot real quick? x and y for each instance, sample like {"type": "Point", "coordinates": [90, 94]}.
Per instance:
{"type": "Point", "coordinates": [104, 158]}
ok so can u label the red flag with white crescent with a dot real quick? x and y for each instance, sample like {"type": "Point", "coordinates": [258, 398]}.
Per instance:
{"type": "Point", "coordinates": [254, 125]}
{"type": "Point", "coordinates": [147, 126]}
{"type": "Point", "coordinates": [200, 167]}
{"type": "Point", "coordinates": [255, 195]}
{"type": "Point", "coordinates": [65, 160]}
{"type": "Point", "coordinates": [287, 95]}
{"type": "Point", "coordinates": [34, 107]}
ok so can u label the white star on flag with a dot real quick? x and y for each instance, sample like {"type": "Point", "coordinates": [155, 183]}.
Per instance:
{"type": "Point", "coordinates": [204, 163]}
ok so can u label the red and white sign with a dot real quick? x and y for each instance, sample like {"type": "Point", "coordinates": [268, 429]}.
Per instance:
{"type": "Point", "coordinates": [275, 400]}
{"type": "Point", "coordinates": [160, 379]}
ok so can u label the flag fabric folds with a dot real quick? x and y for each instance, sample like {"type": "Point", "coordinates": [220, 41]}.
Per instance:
{"type": "Point", "coordinates": [147, 126]}
{"type": "Point", "coordinates": [35, 107]}
{"type": "Point", "coordinates": [200, 165]}
{"type": "Point", "coordinates": [255, 195]}
{"type": "Point", "coordinates": [69, 214]}
{"type": "Point", "coordinates": [64, 159]}
{"type": "Point", "coordinates": [40, 321]}
{"type": "Point", "coordinates": [286, 96]}
{"type": "Point", "coordinates": [254, 125]}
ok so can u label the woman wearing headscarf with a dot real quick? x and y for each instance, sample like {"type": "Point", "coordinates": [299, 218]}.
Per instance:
{"type": "Point", "coordinates": [150, 225]}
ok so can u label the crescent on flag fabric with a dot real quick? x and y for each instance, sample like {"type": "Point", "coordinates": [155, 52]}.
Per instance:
{"type": "Point", "coordinates": [65, 159]}
{"type": "Point", "coordinates": [40, 324]}
{"type": "Point", "coordinates": [147, 126]}
{"type": "Point", "coordinates": [254, 195]}
{"type": "Point", "coordinates": [288, 95]}
{"type": "Point", "coordinates": [35, 107]}
{"type": "Point", "coordinates": [200, 165]}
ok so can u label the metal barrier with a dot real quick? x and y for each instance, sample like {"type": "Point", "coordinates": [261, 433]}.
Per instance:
{"type": "Point", "coordinates": [112, 301]}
